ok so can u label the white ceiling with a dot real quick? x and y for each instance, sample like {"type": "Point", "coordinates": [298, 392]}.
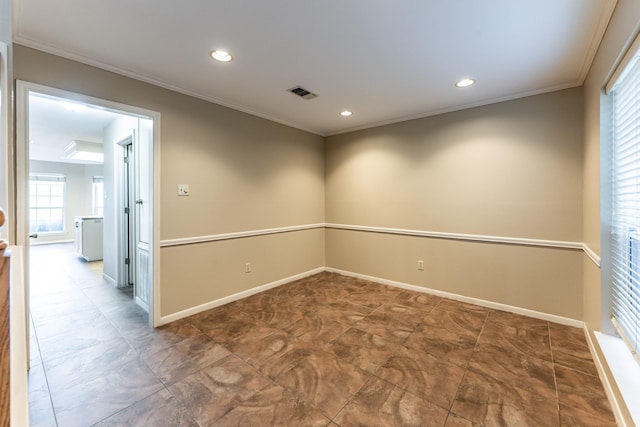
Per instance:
{"type": "Point", "coordinates": [385, 60]}
{"type": "Point", "coordinates": [53, 125]}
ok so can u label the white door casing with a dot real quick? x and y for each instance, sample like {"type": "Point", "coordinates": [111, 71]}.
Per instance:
{"type": "Point", "coordinates": [149, 253]}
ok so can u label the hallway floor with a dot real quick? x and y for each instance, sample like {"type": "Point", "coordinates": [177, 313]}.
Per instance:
{"type": "Point", "coordinates": [325, 350]}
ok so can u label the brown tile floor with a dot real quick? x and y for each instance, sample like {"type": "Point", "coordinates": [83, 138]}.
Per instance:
{"type": "Point", "coordinates": [326, 350]}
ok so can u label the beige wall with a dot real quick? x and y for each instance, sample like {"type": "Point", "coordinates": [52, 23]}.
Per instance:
{"type": "Point", "coordinates": [245, 173]}
{"type": "Point", "coordinates": [512, 169]}
{"type": "Point", "coordinates": [546, 280]}
{"type": "Point", "coordinates": [214, 266]}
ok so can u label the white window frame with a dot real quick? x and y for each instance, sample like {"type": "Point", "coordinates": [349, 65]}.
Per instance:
{"type": "Point", "coordinates": [97, 196]}
{"type": "Point", "coordinates": [48, 178]}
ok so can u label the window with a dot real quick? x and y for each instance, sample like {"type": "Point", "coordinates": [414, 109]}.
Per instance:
{"type": "Point", "coordinates": [625, 205]}
{"type": "Point", "coordinates": [46, 203]}
{"type": "Point", "coordinates": [98, 196]}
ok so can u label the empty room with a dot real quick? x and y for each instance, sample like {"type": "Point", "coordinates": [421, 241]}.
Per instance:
{"type": "Point", "coordinates": [331, 213]}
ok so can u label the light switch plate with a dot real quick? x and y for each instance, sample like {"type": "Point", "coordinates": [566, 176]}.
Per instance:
{"type": "Point", "coordinates": [183, 189]}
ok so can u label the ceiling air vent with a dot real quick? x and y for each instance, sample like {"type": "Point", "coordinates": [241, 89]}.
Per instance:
{"type": "Point", "coordinates": [302, 92]}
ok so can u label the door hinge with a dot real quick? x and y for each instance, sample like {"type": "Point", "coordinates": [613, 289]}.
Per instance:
{"type": "Point", "coordinates": [126, 159]}
{"type": "Point", "coordinates": [126, 211]}
{"type": "Point", "coordinates": [126, 261]}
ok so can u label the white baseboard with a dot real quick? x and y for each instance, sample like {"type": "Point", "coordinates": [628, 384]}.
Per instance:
{"type": "Point", "coordinates": [109, 279]}
{"type": "Point", "coordinates": [216, 303]}
{"type": "Point", "coordinates": [484, 303]}
{"type": "Point", "coordinates": [50, 242]}
{"type": "Point", "coordinates": [142, 304]}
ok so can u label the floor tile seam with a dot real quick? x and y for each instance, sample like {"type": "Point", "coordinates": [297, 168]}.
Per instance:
{"type": "Point", "coordinates": [583, 355]}
{"type": "Point", "coordinates": [541, 397]}
{"type": "Point", "coordinates": [182, 405]}
{"type": "Point", "coordinates": [579, 371]}
{"type": "Point", "coordinates": [555, 377]}
{"type": "Point", "coordinates": [594, 414]}
{"type": "Point", "coordinates": [356, 327]}
{"type": "Point", "coordinates": [130, 342]}
{"type": "Point", "coordinates": [370, 310]}
{"type": "Point", "coordinates": [565, 408]}
{"type": "Point", "coordinates": [301, 397]}
{"type": "Point", "coordinates": [124, 409]}
{"type": "Point", "coordinates": [100, 376]}
{"type": "Point", "coordinates": [455, 414]}
{"type": "Point", "coordinates": [253, 364]}
{"type": "Point", "coordinates": [514, 350]}
{"type": "Point", "coordinates": [44, 371]}
{"type": "Point", "coordinates": [113, 325]}
{"type": "Point", "coordinates": [236, 400]}
{"type": "Point", "coordinates": [508, 383]}
{"type": "Point", "coordinates": [466, 367]}
{"type": "Point", "coordinates": [147, 363]}
{"type": "Point", "coordinates": [353, 396]}
{"type": "Point", "coordinates": [392, 316]}
{"type": "Point", "coordinates": [415, 394]}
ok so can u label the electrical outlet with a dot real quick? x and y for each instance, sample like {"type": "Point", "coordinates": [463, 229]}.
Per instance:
{"type": "Point", "coordinates": [183, 189]}
{"type": "Point", "coordinates": [420, 265]}
{"type": "Point", "coordinates": [247, 267]}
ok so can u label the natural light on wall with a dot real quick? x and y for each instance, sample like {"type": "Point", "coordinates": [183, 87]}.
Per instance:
{"type": "Point", "coordinates": [85, 151]}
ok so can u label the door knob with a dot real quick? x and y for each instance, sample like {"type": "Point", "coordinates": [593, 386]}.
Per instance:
{"type": "Point", "coordinates": [139, 202]}
{"type": "Point", "coordinates": [33, 236]}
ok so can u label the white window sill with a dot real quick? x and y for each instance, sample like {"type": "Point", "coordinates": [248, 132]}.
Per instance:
{"type": "Point", "coordinates": [625, 370]}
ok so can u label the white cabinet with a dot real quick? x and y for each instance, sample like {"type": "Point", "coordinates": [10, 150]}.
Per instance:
{"type": "Point", "coordinates": [89, 237]}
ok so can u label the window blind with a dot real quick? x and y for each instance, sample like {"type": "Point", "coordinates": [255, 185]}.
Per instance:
{"type": "Point", "coordinates": [625, 221]}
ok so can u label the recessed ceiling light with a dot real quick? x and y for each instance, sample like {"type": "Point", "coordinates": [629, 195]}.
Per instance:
{"type": "Point", "coordinates": [465, 82]}
{"type": "Point", "coordinates": [221, 55]}
{"type": "Point", "coordinates": [346, 113]}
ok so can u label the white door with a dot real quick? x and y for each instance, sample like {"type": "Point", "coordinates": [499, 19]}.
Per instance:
{"type": "Point", "coordinates": [125, 212]}
{"type": "Point", "coordinates": [143, 180]}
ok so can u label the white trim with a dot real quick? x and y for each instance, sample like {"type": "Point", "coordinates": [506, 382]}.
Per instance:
{"type": "Point", "coordinates": [24, 41]}
{"type": "Point", "coordinates": [51, 242]}
{"type": "Point", "coordinates": [19, 336]}
{"type": "Point", "coordinates": [618, 368]}
{"type": "Point", "coordinates": [591, 254]}
{"type": "Point", "coordinates": [110, 280]}
{"type": "Point", "coordinates": [476, 301]}
{"type": "Point", "coordinates": [6, 137]}
{"type": "Point", "coordinates": [237, 235]}
{"type": "Point", "coordinates": [457, 236]}
{"type": "Point", "coordinates": [630, 52]}
{"type": "Point", "coordinates": [601, 27]}
{"type": "Point", "coordinates": [225, 300]}
{"type": "Point", "coordinates": [154, 247]}
{"type": "Point", "coordinates": [397, 231]}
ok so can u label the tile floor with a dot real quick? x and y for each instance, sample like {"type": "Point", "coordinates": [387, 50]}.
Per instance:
{"type": "Point", "coordinates": [326, 350]}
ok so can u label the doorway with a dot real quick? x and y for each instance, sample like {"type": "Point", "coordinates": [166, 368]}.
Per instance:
{"type": "Point", "coordinates": [132, 231]}
{"type": "Point", "coordinates": [141, 127]}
